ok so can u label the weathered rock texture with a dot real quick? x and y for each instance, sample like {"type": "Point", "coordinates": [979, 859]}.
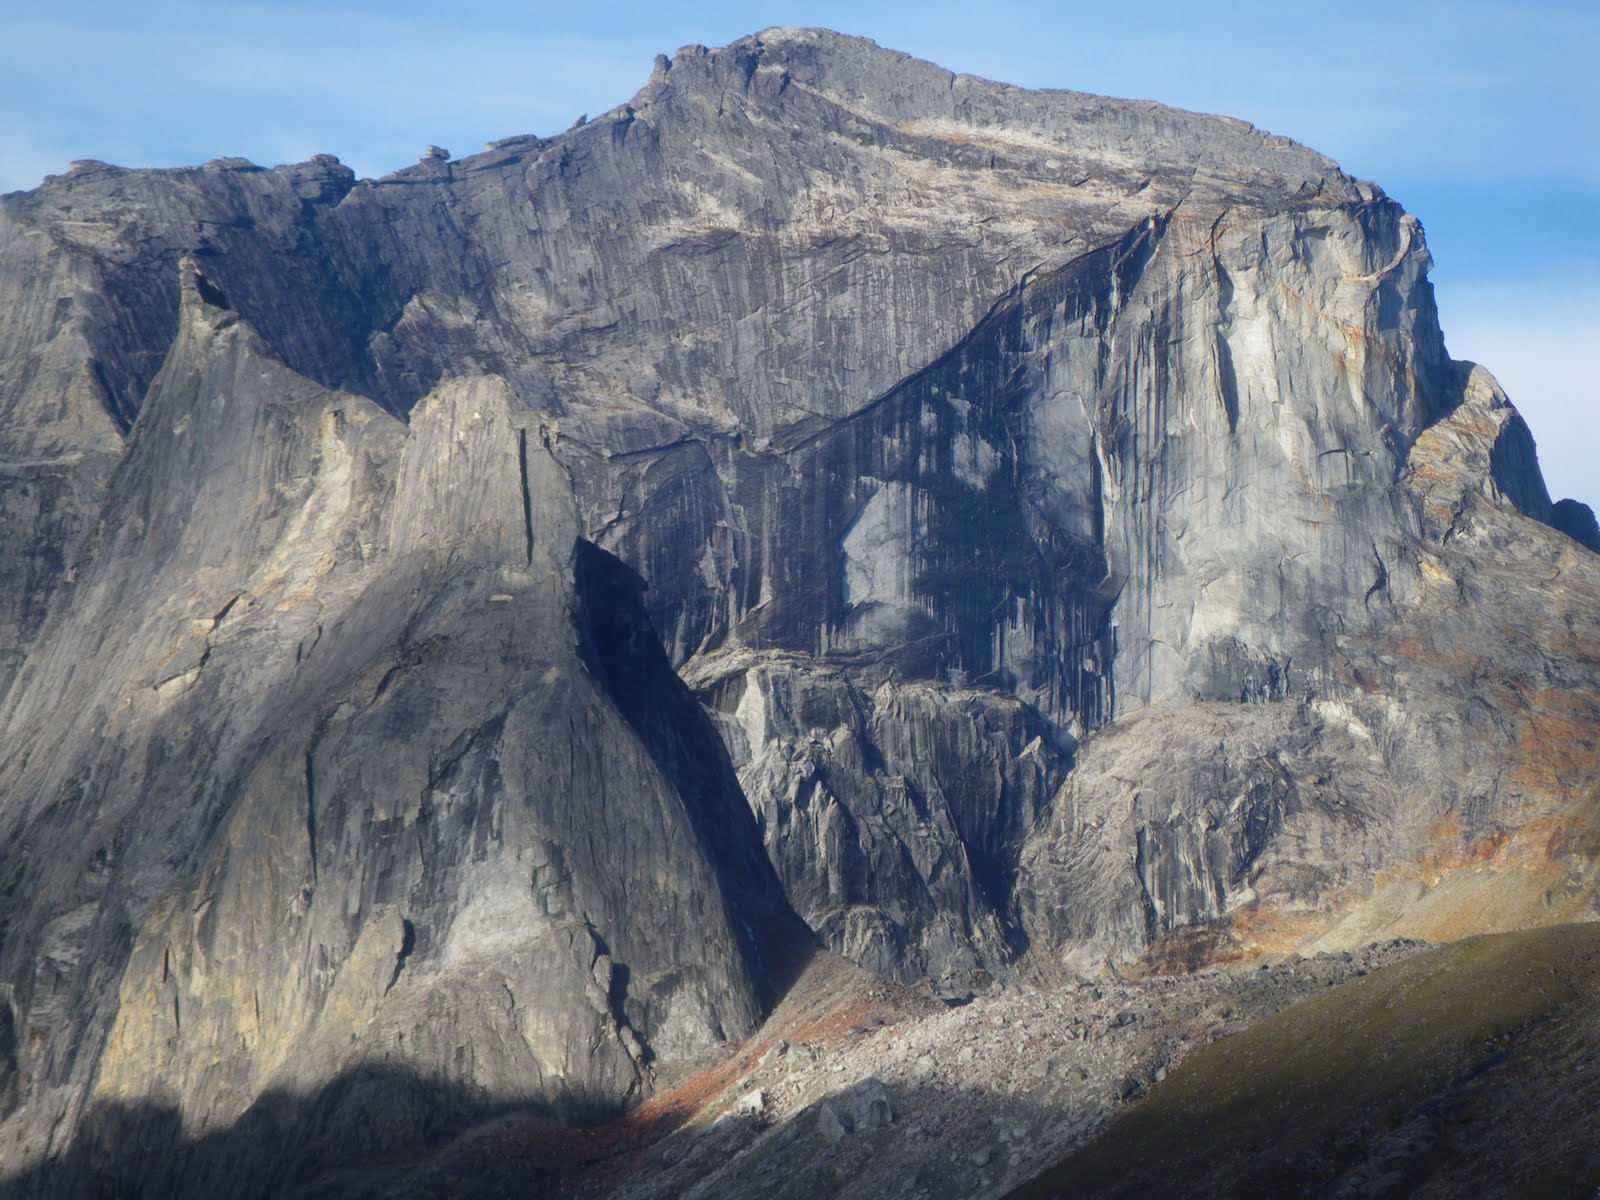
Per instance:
{"type": "Point", "coordinates": [1065, 509]}
{"type": "Point", "coordinates": [348, 777]}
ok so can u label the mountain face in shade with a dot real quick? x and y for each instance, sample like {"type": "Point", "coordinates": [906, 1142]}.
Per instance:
{"type": "Point", "coordinates": [466, 635]}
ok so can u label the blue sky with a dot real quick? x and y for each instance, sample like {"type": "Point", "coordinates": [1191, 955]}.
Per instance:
{"type": "Point", "coordinates": [1481, 116]}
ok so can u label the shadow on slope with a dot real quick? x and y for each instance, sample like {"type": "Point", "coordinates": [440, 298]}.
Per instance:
{"type": "Point", "coordinates": [1467, 1069]}
{"type": "Point", "coordinates": [387, 1135]}
{"type": "Point", "coordinates": [356, 1132]}
{"type": "Point", "coordinates": [862, 1088]}
{"type": "Point", "coordinates": [1471, 1069]}
{"type": "Point", "coordinates": [620, 648]}
{"type": "Point", "coordinates": [362, 1124]}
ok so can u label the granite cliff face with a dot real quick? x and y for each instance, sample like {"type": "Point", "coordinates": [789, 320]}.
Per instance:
{"type": "Point", "coordinates": [348, 768]}
{"type": "Point", "coordinates": [461, 630]}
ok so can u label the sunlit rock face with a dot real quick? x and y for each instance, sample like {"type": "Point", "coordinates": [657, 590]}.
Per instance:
{"type": "Point", "coordinates": [460, 630]}
{"type": "Point", "coordinates": [364, 782]}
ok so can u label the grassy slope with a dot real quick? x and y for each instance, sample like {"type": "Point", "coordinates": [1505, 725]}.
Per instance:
{"type": "Point", "coordinates": [1473, 1069]}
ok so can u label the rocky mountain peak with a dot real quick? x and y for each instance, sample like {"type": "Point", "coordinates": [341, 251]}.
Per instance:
{"type": "Point", "coordinates": [470, 636]}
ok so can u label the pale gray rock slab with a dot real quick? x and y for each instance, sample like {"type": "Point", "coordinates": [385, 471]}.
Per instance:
{"type": "Point", "coordinates": [1064, 508]}
{"type": "Point", "coordinates": [439, 788]}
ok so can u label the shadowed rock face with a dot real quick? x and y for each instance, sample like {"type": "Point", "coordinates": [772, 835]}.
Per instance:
{"type": "Point", "coordinates": [324, 770]}
{"type": "Point", "coordinates": [1064, 509]}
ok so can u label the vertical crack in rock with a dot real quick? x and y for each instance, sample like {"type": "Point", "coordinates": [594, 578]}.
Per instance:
{"type": "Point", "coordinates": [1227, 376]}
{"type": "Point", "coordinates": [311, 808]}
{"type": "Point", "coordinates": [1142, 869]}
{"type": "Point", "coordinates": [527, 499]}
{"type": "Point", "coordinates": [222, 613]}
{"type": "Point", "coordinates": [1380, 582]}
{"type": "Point", "coordinates": [408, 943]}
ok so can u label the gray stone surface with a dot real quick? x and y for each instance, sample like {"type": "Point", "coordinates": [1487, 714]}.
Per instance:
{"type": "Point", "coordinates": [1576, 519]}
{"type": "Point", "coordinates": [349, 794]}
{"type": "Point", "coordinates": [1065, 509]}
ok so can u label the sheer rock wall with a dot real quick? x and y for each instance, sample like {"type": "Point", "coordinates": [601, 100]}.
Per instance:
{"type": "Point", "coordinates": [1064, 509]}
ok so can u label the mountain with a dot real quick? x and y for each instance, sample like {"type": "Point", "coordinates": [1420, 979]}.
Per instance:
{"type": "Point", "coordinates": [471, 638]}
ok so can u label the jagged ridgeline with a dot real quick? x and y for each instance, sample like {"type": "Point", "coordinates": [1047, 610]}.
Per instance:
{"type": "Point", "coordinates": [466, 635]}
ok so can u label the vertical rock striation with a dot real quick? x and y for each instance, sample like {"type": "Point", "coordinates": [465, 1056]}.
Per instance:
{"type": "Point", "coordinates": [350, 825]}
{"type": "Point", "coordinates": [461, 628]}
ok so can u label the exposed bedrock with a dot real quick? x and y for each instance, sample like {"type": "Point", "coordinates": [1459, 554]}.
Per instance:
{"type": "Point", "coordinates": [1117, 491]}
{"type": "Point", "coordinates": [351, 787]}
{"type": "Point", "coordinates": [1438, 781]}
{"type": "Point", "coordinates": [892, 812]}
{"type": "Point", "coordinates": [459, 629]}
